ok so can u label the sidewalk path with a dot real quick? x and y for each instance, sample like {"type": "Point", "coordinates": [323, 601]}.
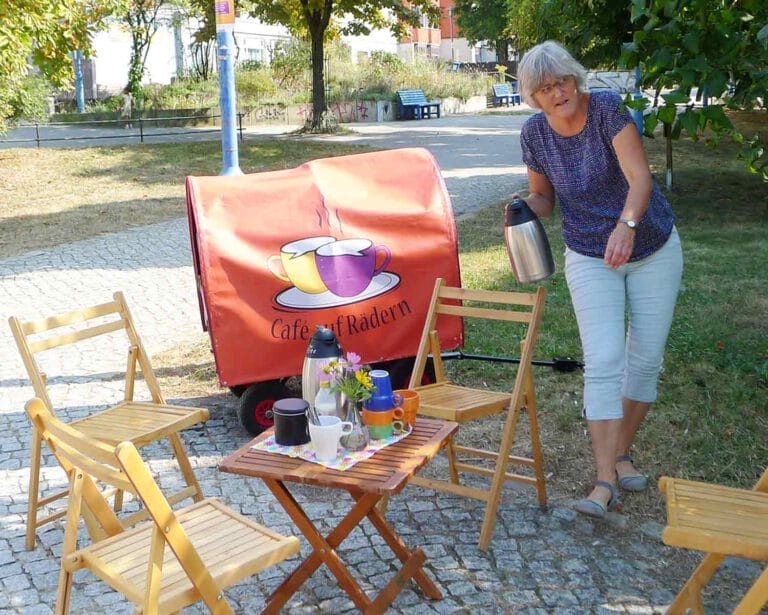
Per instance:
{"type": "Point", "coordinates": [539, 562]}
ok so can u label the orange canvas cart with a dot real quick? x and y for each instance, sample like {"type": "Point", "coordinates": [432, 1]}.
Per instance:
{"type": "Point", "coordinates": [353, 243]}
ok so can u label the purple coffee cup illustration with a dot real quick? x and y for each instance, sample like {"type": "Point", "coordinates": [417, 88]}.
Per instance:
{"type": "Point", "coordinates": [347, 266]}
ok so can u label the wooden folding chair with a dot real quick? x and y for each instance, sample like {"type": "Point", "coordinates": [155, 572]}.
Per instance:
{"type": "Point", "coordinates": [138, 422]}
{"type": "Point", "coordinates": [210, 547]}
{"type": "Point", "coordinates": [452, 402]}
{"type": "Point", "coordinates": [720, 521]}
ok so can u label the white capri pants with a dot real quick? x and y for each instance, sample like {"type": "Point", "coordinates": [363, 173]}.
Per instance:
{"type": "Point", "coordinates": [619, 364]}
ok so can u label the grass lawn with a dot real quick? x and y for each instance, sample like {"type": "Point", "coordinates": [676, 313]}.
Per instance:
{"type": "Point", "coordinates": [711, 420]}
{"type": "Point", "coordinates": [51, 196]}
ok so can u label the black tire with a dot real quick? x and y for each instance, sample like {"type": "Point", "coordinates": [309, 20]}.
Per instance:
{"type": "Point", "coordinates": [238, 390]}
{"type": "Point", "coordinates": [255, 409]}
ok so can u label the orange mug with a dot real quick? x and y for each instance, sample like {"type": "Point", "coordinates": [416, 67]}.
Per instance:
{"type": "Point", "coordinates": [377, 418]}
{"type": "Point", "coordinates": [410, 405]}
{"type": "Point", "coordinates": [384, 423]}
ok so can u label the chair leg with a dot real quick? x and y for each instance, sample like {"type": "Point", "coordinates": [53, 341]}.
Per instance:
{"type": "Point", "coordinates": [382, 505]}
{"type": "Point", "coordinates": [185, 466]}
{"type": "Point", "coordinates": [689, 596]}
{"type": "Point", "coordinates": [69, 545]}
{"type": "Point", "coordinates": [34, 486]}
{"type": "Point", "coordinates": [756, 598]}
{"type": "Point", "coordinates": [64, 592]}
{"type": "Point", "coordinates": [450, 451]}
{"type": "Point", "coordinates": [118, 502]}
{"type": "Point", "coordinates": [499, 478]}
{"type": "Point", "coordinates": [538, 455]}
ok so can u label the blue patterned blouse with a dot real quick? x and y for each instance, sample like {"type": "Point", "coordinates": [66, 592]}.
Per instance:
{"type": "Point", "coordinates": [588, 181]}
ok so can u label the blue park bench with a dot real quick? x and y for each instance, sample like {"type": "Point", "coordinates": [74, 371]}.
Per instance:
{"type": "Point", "coordinates": [413, 105]}
{"type": "Point", "coordinates": [504, 94]}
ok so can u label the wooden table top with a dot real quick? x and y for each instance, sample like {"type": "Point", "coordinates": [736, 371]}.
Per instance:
{"type": "Point", "coordinates": [386, 472]}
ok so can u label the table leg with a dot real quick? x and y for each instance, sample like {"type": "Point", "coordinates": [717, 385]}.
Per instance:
{"type": "Point", "coordinates": [323, 549]}
{"type": "Point", "coordinates": [407, 557]}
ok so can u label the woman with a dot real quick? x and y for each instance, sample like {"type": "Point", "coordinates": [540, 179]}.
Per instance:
{"type": "Point", "coordinates": [126, 112]}
{"type": "Point", "coordinates": [622, 252]}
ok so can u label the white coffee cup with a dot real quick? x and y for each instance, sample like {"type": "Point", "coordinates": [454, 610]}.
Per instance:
{"type": "Point", "coordinates": [325, 437]}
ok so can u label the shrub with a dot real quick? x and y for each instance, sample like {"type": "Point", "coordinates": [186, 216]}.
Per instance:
{"type": "Point", "coordinates": [254, 86]}
{"type": "Point", "coordinates": [31, 100]}
{"type": "Point", "coordinates": [181, 94]}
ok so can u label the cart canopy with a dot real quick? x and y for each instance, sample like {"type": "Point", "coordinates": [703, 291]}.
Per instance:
{"type": "Point", "coordinates": [353, 243]}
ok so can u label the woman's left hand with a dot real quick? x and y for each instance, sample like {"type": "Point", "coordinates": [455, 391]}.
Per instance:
{"type": "Point", "coordinates": [619, 247]}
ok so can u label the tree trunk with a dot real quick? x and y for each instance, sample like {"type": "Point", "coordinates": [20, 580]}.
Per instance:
{"type": "Point", "coordinates": [318, 80]}
{"type": "Point", "coordinates": [502, 51]}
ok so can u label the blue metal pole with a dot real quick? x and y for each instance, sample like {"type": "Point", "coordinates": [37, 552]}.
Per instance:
{"type": "Point", "coordinates": [79, 85]}
{"type": "Point", "coordinates": [227, 99]}
{"type": "Point", "coordinates": [637, 115]}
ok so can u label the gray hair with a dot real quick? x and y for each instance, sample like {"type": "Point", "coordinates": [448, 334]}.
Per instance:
{"type": "Point", "coordinates": [544, 61]}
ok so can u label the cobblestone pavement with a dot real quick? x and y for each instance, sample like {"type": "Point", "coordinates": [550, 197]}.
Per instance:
{"type": "Point", "coordinates": [539, 562]}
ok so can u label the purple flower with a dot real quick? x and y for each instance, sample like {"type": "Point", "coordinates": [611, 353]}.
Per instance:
{"type": "Point", "coordinates": [353, 361]}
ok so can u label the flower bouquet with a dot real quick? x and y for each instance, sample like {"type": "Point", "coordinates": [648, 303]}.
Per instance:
{"type": "Point", "coordinates": [352, 379]}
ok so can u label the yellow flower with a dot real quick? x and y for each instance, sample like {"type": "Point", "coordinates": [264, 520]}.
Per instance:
{"type": "Point", "coordinates": [364, 378]}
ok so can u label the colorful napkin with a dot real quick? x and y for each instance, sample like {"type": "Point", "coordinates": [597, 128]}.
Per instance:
{"type": "Point", "coordinates": [344, 460]}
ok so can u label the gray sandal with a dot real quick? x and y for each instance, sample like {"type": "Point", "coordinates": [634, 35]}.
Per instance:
{"type": "Point", "coordinates": [593, 508]}
{"type": "Point", "coordinates": [631, 482]}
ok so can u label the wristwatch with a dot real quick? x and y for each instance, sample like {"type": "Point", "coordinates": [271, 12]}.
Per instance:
{"type": "Point", "coordinates": [629, 222]}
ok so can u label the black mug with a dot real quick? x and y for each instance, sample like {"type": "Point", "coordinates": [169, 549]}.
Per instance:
{"type": "Point", "coordinates": [290, 416]}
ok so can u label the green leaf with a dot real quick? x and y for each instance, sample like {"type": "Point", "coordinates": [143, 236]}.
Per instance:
{"type": "Point", "coordinates": [716, 84]}
{"type": "Point", "coordinates": [667, 113]}
{"type": "Point", "coordinates": [716, 117]}
{"type": "Point", "coordinates": [676, 97]}
{"type": "Point", "coordinates": [676, 130]}
{"type": "Point", "coordinates": [691, 41]}
{"type": "Point", "coordinates": [689, 120]}
{"type": "Point", "coordinates": [762, 35]}
{"type": "Point", "coordinates": [650, 122]}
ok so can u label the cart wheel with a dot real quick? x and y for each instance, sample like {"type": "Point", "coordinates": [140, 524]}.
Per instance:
{"type": "Point", "coordinates": [238, 390]}
{"type": "Point", "coordinates": [255, 409]}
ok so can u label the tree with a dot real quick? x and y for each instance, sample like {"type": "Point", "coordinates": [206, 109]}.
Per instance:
{"type": "Point", "coordinates": [710, 49]}
{"type": "Point", "coordinates": [592, 30]}
{"type": "Point", "coordinates": [44, 33]}
{"type": "Point", "coordinates": [315, 19]}
{"type": "Point", "coordinates": [142, 21]}
{"type": "Point", "coordinates": [485, 20]}
{"type": "Point", "coordinates": [203, 39]}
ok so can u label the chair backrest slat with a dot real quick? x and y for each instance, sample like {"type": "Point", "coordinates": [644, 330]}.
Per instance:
{"type": "Point", "coordinates": [488, 313]}
{"type": "Point", "coordinates": [75, 336]}
{"type": "Point", "coordinates": [489, 296]}
{"type": "Point", "coordinates": [70, 318]}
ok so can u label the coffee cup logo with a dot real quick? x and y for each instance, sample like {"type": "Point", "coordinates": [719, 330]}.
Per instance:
{"type": "Point", "coordinates": [326, 272]}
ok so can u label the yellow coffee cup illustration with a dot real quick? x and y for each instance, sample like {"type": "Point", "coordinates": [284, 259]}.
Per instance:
{"type": "Point", "coordinates": [296, 264]}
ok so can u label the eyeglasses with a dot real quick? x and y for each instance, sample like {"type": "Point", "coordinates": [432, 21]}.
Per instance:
{"type": "Point", "coordinates": [558, 83]}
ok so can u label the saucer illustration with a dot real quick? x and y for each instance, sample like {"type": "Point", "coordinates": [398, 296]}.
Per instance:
{"type": "Point", "coordinates": [295, 298]}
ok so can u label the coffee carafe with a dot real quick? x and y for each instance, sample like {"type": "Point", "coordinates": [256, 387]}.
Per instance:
{"type": "Point", "coordinates": [323, 348]}
{"type": "Point", "coordinates": [527, 243]}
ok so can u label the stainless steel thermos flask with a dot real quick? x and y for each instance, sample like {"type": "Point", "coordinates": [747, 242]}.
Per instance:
{"type": "Point", "coordinates": [527, 243]}
{"type": "Point", "coordinates": [323, 348]}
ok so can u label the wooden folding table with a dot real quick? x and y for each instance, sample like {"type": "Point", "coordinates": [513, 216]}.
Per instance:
{"type": "Point", "coordinates": [385, 473]}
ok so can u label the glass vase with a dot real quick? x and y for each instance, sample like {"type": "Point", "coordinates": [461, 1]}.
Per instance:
{"type": "Point", "coordinates": [358, 438]}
